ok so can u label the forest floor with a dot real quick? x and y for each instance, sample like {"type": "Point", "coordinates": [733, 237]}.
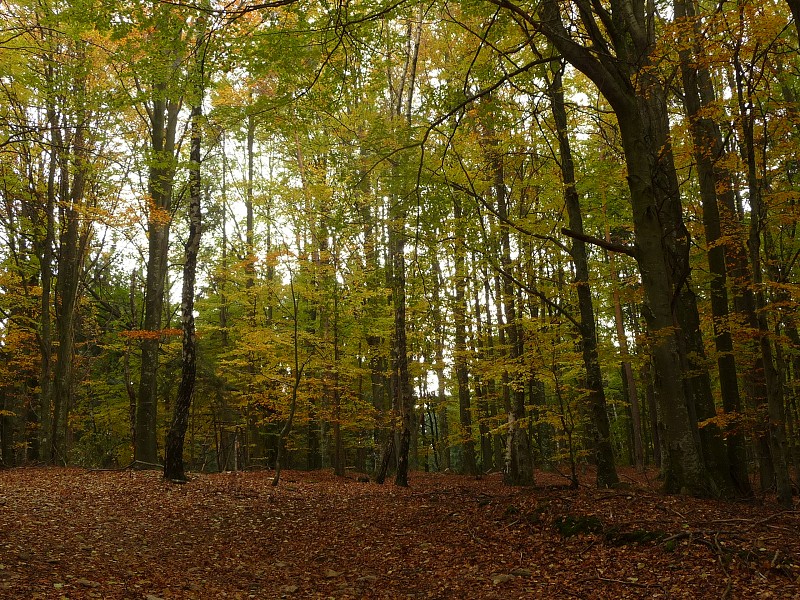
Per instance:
{"type": "Point", "coordinates": [70, 533]}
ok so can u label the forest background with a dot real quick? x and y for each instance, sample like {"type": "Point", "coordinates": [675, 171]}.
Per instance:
{"type": "Point", "coordinates": [469, 236]}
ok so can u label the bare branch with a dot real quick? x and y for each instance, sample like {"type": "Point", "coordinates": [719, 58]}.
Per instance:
{"type": "Point", "coordinates": [590, 239]}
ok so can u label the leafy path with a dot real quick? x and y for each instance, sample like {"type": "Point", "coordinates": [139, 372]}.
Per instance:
{"type": "Point", "coordinates": [67, 533]}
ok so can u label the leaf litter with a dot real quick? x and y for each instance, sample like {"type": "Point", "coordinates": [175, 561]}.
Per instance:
{"type": "Point", "coordinates": [69, 533]}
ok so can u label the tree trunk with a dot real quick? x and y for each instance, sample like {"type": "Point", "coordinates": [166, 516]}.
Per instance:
{"type": "Point", "coordinates": [173, 453]}
{"type": "Point", "coordinates": [637, 100]}
{"type": "Point", "coordinates": [401, 389]}
{"type": "Point", "coordinates": [442, 431]}
{"type": "Point", "coordinates": [46, 269]}
{"type": "Point", "coordinates": [70, 262]}
{"type": "Point", "coordinates": [161, 175]}
{"type": "Point", "coordinates": [708, 150]}
{"type": "Point", "coordinates": [627, 368]}
{"type": "Point", "coordinates": [469, 465]}
{"type": "Point", "coordinates": [402, 397]}
{"type": "Point", "coordinates": [596, 398]}
{"type": "Point", "coordinates": [479, 351]}
{"type": "Point", "coordinates": [775, 426]}
{"type": "Point", "coordinates": [519, 460]}
{"type": "Point", "coordinates": [297, 370]}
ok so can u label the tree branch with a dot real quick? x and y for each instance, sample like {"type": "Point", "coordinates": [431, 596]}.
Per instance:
{"type": "Point", "coordinates": [590, 239]}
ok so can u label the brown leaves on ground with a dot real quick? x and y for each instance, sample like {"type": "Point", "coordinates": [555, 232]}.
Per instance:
{"type": "Point", "coordinates": [76, 534]}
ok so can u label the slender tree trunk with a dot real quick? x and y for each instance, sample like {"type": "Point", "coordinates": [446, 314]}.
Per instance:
{"type": "Point", "coordinates": [479, 351]}
{"type": "Point", "coordinates": [708, 150]}
{"type": "Point", "coordinates": [775, 428]}
{"type": "Point", "coordinates": [443, 425]}
{"type": "Point", "coordinates": [627, 368]}
{"type": "Point", "coordinates": [596, 398]}
{"type": "Point", "coordinates": [164, 115]}
{"type": "Point", "coordinates": [46, 268]}
{"type": "Point", "coordinates": [298, 377]}
{"type": "Point", "coordinates": [519, 459]}
{"type": "Point", "coordinates": [401, 389]}
{"type": "Point", "coordinates": [70, 263]}
{"type": "Point", "coordinates": [339, 456]}
{"type": "Point", "coordinates": [173, 453]}
{"type": "Point", "coordinates": [402, 397]}
{"type": "Point", "coordinates": [460, 306]}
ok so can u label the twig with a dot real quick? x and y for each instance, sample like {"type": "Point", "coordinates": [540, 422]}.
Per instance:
{"type": "Point", "coordinates": [130, 466]}
{"type": "Point", "coordinates": [585, 550]}
{"type": "Point", "coordinates": [631, 583]}
{"type": "Point", "coordinates": [773, 516]}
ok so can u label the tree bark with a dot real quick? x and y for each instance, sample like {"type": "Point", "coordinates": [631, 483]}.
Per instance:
{"type": "Point", "coordinates": [627, 368]}
{"type": "Point", "coordinates": [637, 101]}
{"type": "Point", "coordinates": [469, 466]}
{"type": "Point", "coordinates": [174, 469]}
{"type": "Point", "coordinates": [70, 262]}
{"type": "Point", "coordinates": [596, 398]}
{"type": "Point", "coordinates": [297, 370]}
{"type": "Point", "coordinates": [519, 460]}
{"type": "Point", "coordinates": [46, 269]}
{"type": "Point", "coordinates": [708, 150]}
{"type": "Point", "coordinates": [163, 128]}
{"type": "Point", "coordinates": [775, 431]}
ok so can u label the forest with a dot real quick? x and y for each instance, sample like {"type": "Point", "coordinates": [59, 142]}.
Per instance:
{"type": "Point", "coordinates": [395, 237]}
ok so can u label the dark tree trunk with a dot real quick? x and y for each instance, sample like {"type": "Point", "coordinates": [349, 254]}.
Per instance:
{"type": "Point", "coordinates": [596, 398]}
{"type": "Point", "coordinates": [637, 101]}
{"type": "Point", "coordinates": [627, 368]}
{"type": "Point", "coordinates": [460, 306]}
{"type": "Point", "coordinates": [400, 386]}
{"type": "Point", "coordinates": [519, 460]}
{"type": "Point", "coordinates": [173, 453]}
{"type": "Point", "coordinates": [70, 261]}
{"type": "Point", "coordinates": [164, 115]}
{"type": "Point", "coordinates": [442, 430]}
{"type": "Point", "coordinates": [297, 379]}
{"type": "Point", "coordinates": [775, 432]}
{"type": "Point", "coordinates": [708, 150]}
{"type": "Point", "coordinates": [46, 269]}
{"type": "Point", "coordinates": [402, 397]}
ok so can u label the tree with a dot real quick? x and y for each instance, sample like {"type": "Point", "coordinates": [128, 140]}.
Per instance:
{"type": "Point", "coordinates": [604, 455]}
{"type": "Point", "coordinates": [714, 180]}
{"type": "Point", "coordinates": [621, 73]}
{"type": "Point", "coordinates": [173, 451]}
{"type": "Point", "coordinates": [161, 104]}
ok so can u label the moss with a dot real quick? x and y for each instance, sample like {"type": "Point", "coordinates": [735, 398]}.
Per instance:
{"type": "Point", "coordinates": [570, 525]}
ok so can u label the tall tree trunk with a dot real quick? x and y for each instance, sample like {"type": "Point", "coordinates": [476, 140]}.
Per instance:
{"type": "Point", "coordinates": [402, 398]}
{"type": "Point", "coordinates": [775, 427]}
{"type": "Point", "coordinates": [627, 368]}
{"type": "Point", "coordinates": [70, 262]}
{"type": "Point", "coordinates": [400, 385]}
{"type": "Point", "coordinates": [46, 269]}
{"type": "Point", "coordinates": [519, 459]}
{"type": "Point", "coordinates": [173, 452]}
{"type": "Point", "coordinates": [163, 128]}
{"type": "Point", "coordinates": [638, 102]}
{"type": "Point", "coordinates": [596, 398]}
{"type": "Point", "coordinates": [442, 431]}
{"type": "Point", "coordinates": [297, 372]}
{"type": "Point", "coordinates": [708, 150]}
{"type": "Point", "coordinates": [479, 351]}
{"type": "Point", "coordinates": [339, 455]}
{"type": "Point", "coordinates": [460, 308]}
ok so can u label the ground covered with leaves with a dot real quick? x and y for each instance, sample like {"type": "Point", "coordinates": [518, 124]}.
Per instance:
{"type": "Point", "coordinates": [68, 533]}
